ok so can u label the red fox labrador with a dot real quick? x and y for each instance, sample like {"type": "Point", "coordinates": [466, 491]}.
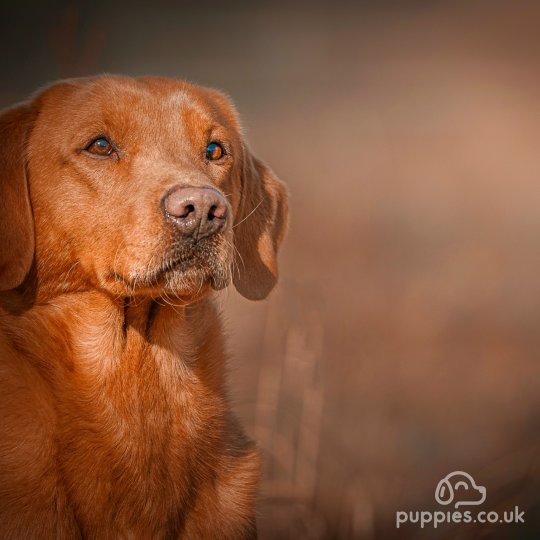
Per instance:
{"type": "Point", "coordinates": [124, 204]}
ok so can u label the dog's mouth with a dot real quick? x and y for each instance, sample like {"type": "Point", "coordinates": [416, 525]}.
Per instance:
{"type": "Point", "coordinates": [211, 270]}
{"type": "Point", "coordinates": [183, 270]}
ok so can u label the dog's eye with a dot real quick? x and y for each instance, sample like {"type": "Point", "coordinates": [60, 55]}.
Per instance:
{"type": "Point", "coordinates": [214, 151]}
{"type": "Point", "coordinates": [100, 147]}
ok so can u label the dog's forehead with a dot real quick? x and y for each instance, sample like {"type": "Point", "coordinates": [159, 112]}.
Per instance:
{"type": "Point", "coordinates": [141, 102]}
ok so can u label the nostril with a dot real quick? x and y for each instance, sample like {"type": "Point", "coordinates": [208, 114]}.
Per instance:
{"type": "Point", "coordinates": [217, 211]}
{"type": "Point", "coordinates": [188, 209]}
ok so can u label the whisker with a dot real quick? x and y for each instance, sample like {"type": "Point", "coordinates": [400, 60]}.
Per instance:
{"type": "Point", "coordinates": [242, 221]}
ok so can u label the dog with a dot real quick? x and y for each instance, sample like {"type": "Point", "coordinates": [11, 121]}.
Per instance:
{"type": "Point", "coordinates": [125, 203]}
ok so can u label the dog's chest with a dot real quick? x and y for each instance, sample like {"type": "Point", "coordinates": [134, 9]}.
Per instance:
{"type": "Point", "coordinates": [138, 439]}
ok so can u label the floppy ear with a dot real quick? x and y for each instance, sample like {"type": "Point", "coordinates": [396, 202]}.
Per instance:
{"type": "Point", "coordinates": [16, 221]}
{"type": "Point", "coordinates": [259, 229]}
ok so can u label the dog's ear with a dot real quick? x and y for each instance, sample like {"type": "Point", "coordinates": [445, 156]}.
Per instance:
{"type": "Point", "coordinates": [259, 228]}
{"type": "Point", "coordinates": [16, 221]}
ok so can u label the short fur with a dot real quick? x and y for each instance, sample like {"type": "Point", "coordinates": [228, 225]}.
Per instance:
{"type": "Point", "coordinates": [114, 418]}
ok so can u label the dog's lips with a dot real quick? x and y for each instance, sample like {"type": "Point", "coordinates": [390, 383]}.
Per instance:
{"type": "Point", "coordinates": [182, 267]}
{"type": "Point", "coordinates": [218, 283]}
{"type": "Point", "coordinates": [202, 261]}
{"type": "Point", "coordinates": [217, 280]}
{"type": "Point", "coordinates": [184, 263]}
{"type": "Point", "coordinates": [176, 265]}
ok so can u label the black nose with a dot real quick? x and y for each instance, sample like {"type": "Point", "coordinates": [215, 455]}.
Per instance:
{"type": "Point", "coordinates": [198, 212]}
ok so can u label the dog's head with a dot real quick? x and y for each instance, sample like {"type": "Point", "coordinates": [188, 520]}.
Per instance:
{"type": "Point", "coordinates": [137, 187]}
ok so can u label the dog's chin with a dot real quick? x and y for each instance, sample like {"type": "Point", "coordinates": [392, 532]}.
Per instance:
{"type": "Point", "coordinates": [173, 285]}
{"type": "Point", "coordinates": [193, 283]}
{"type": "Point", "coordinates": [186, 284]}
{"type": "Point", "coordinates": [185, 274]}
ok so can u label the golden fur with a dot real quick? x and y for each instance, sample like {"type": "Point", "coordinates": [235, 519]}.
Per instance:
{"type": "Point", "coordinates": [114, 416]}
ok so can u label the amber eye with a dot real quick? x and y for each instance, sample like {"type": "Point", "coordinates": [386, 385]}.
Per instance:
{"type": "Point", "coordinates": [100, 147]}
{"type": "Point", "coordinates": [214, 151]}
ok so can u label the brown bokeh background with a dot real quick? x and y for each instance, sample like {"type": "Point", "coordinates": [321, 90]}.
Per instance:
{"type": "Point", "coordinates": [403, 341]}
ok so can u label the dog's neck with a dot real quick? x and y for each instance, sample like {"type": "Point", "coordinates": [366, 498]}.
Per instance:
{"type": "Point", "coordinates": [93, 334]}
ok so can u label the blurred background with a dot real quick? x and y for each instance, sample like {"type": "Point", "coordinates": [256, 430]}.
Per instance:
{"type": "Point", "coordinates": [403, 341]}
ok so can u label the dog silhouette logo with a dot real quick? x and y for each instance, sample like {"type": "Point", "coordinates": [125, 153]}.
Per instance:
{"type": "Point", "coordinates": [459, 487]}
